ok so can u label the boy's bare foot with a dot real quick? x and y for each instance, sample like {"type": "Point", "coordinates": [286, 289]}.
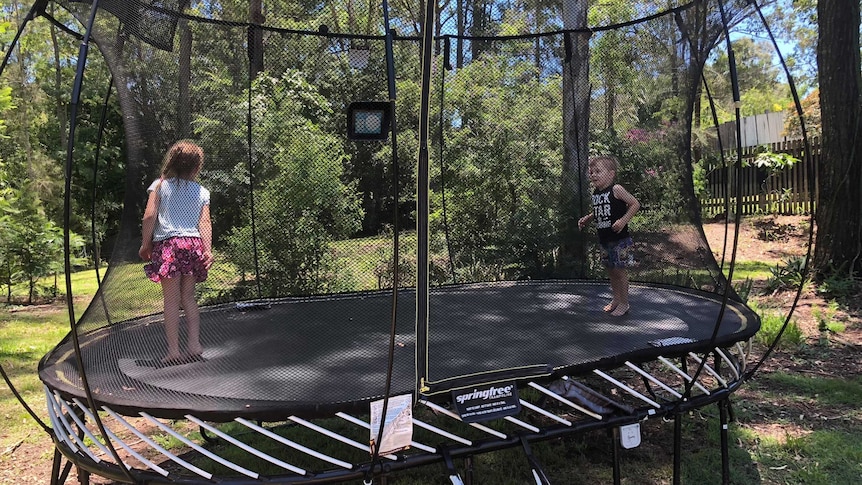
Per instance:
{"type": "Point", "coordinates": [196, 351]}
{"type": "Point", "coordinates": [610, 306]}
{"type": "Point", "coordinates": [620, 310]}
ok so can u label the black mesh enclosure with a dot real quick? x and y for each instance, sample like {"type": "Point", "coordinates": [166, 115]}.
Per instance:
{"type": "Point", "coordinates": [297, 308]}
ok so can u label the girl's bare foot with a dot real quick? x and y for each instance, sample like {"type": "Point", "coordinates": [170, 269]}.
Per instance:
{"type": "Point", "coordinates": [610, 306]}
{"type": "Point", "coordinates": [196, 351]}
{"type": "Point", "coordinates": [620, 310]}
{"type": "Point", "coordinates": [172, 358]}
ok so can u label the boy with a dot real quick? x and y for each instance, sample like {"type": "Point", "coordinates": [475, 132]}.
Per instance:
{"type": "Point", "coordinates": [613, 208]}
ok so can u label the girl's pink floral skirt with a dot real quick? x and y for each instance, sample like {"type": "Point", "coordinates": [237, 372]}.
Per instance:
{"type": "Point", "coordinates": [175, 257]}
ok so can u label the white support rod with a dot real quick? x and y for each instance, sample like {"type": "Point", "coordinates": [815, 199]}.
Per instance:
{"type": "Point", "coordinates": [565, 401]}
{"type": "Point", "coordinates": [335, 436]}
{"type": "Point", "coordinates": [481, 427]}
{"type": "Point", "coordinates": [439, 431]}
{"type": "Point", "coordinates": [111, 436]}
{"type": "Point", "coordinates": [627, 388]}
{"type": "Point", "coordinates": [685, 376]}
{"type": "Point", "coordinates": [71, 432]}
{"type": "Point", "coordinates": [709, 370]}
{"type": "Point", "coordinates": [522, 424]}
{"type": "Point", "coordinates": [729, 362]}
{"type": "Point", "coordinates": [744, 354]}
{"type": "Point", "coordinates": [83, 427]}
{"type": "Point", "coordinates": [367, 426]}
{"type": "Point", "coordinates": [293, 444]}
{"type": "Point", "coordinates": [536, 477]}
{"type": "Point", "coordinates": [146, 439]}
{"type": "Point", "coordinates": [653, 379]}
{"type": "Point", "coordinates": [545, 413]}
{"type": "Point", "coordinates": [200, 449]}
{"type": "Point", "coordinates": [239, 444]}
{"type": "Point", "coordinates": [59, 429]}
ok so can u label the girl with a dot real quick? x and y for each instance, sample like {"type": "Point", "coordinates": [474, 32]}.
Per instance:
{"type": "Point", "coordinates": [177, 240]}
{"type": "Point", "coordinates": [613, 208]}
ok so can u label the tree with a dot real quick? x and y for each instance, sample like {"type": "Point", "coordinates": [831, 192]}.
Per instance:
{"type": "Point", "coordinates": [839, 208]}
{"type": "Point", "coordinates": [759, 86]}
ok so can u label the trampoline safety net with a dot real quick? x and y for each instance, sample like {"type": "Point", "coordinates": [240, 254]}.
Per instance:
{"type": "Point", "coordinates": [297, 307]}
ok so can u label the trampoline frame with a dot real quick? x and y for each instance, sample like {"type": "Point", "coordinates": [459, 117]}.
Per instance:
{"type": "Point", "coordinates": [650, 396]}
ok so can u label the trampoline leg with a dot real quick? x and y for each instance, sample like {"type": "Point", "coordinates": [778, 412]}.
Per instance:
{"type": "Point", "coordinates": [677, 448]}
{"type": "Point", "coordinates": [538, 474]}
{"type": "Point", "coordinates": [725, 452]}
{"type": "Point", "coordinates": [83, 476]}
{"type": "Point", "coordinates": [468, 470]}
{"type": "Point", "coordinates": [450, 468]}
{"type": "Point", "coordinates": [615, 453]}
{"type": "Point", "coordinates": [55, 468]}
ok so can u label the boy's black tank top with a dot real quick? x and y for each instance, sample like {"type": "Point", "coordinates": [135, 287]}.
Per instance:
{"type": "Point", "coordinates": [607, 209]}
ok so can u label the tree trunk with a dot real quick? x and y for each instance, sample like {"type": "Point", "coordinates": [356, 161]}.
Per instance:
{"type": "Point", "coordinates": [184, 107]}
{"type": "Point", "coordinates": [459, 57]}
{"type": "Point", "coordinates": [839, 205]}
{"type": "Point", "coordinates": [62, 122]}
{"type": "Point", "coordinates": [255, 17]}
{"type": "Point", "coordinates": [576, 119]}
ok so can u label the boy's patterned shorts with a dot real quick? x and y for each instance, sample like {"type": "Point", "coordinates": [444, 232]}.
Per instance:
{"type": "Point", "coordinates": [618, 254]}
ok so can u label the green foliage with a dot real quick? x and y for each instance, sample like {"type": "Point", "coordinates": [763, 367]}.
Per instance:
{"type": "Point", "coordinates": [838, 283]}
{"type": "Point", "coordinates": [771, 161]}
{"type": "Point", "coordinates": [32, 245]}
{"type": "Point", "coordinates": [825, 318]}
{"type": "Point", "coordinates": [302, 205]}
{"type": "Point", "coordinates": [743, 288]}
{"type": "Point", "coordinates": [503, 169]}
{"type": "Point", "coordinates": [791, 275]}
{"type": "Point", "coordinates": [772, 324]}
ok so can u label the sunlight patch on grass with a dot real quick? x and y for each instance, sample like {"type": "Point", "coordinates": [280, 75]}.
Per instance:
{"type": "Point", "coordinates": [755, 270]}
{"type": "Point", "coordinates": [820, 457]}
{"type": "Point", "coordinates": [828, 392]}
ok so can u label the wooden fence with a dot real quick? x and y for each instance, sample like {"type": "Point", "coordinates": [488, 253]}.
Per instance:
{"type": "Point", "coordinates": [755, 130]}
{"type": "Point", "coordinates": [788, 191]}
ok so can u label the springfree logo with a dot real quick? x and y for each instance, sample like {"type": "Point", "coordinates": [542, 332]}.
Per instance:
{"type": "Point", "coordinates": [486, 402]}
{"type": "Point", "coordinates": [490, 393]}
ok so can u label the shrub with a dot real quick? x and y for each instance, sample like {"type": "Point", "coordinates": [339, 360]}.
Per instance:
{"type": "Point", "coordinates": [771, 325]}
{"type": "Point", "coordinates": [791, 275]}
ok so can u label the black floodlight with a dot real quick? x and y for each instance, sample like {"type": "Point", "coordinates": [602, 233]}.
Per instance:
{"type": "Point", "coordinates": [368, 120]}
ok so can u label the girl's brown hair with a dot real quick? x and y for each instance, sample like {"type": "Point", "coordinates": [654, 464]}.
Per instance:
{"type": "Point", "coordinates": [183, 159]}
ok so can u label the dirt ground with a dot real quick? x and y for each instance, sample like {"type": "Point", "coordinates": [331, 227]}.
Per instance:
{"type": "Point", "coordinates": [769, 239]}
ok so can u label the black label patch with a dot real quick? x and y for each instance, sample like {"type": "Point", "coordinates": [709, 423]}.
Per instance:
{"type": "Point", "coordinates": [487, 402]}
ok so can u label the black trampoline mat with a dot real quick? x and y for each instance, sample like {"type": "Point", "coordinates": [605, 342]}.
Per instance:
{"type": "Point", "coordinates": [310, 354]}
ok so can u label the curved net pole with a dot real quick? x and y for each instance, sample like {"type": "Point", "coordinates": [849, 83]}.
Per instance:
{"type": "Point", "coordinates": [734, 81]}
{"type": "Point", "coordinates": [442, 144]}
{"type": "Point", "coordinates": [807, 147]}
{"type": "Point", "coordinates": [252, 74]}
{"type": "Point", "coordinates": [67, 204]}
{"type": "Point", "coordinates": [38, 7]}
{"type": "Point", "coordinates": [96, 250]}
{"type": "Point", "coordinates": [422, 286]}
{"type": "Point", "coordinates": [396, 253]}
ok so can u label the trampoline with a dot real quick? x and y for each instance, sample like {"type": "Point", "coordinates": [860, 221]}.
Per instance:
{"type": "Point", "coordinates": [310, 356]}
{"type": "Point", "coordinates": [346, 279]}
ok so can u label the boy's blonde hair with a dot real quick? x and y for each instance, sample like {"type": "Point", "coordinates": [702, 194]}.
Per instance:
{"type": "Point", "coordinates": [610, 162]}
